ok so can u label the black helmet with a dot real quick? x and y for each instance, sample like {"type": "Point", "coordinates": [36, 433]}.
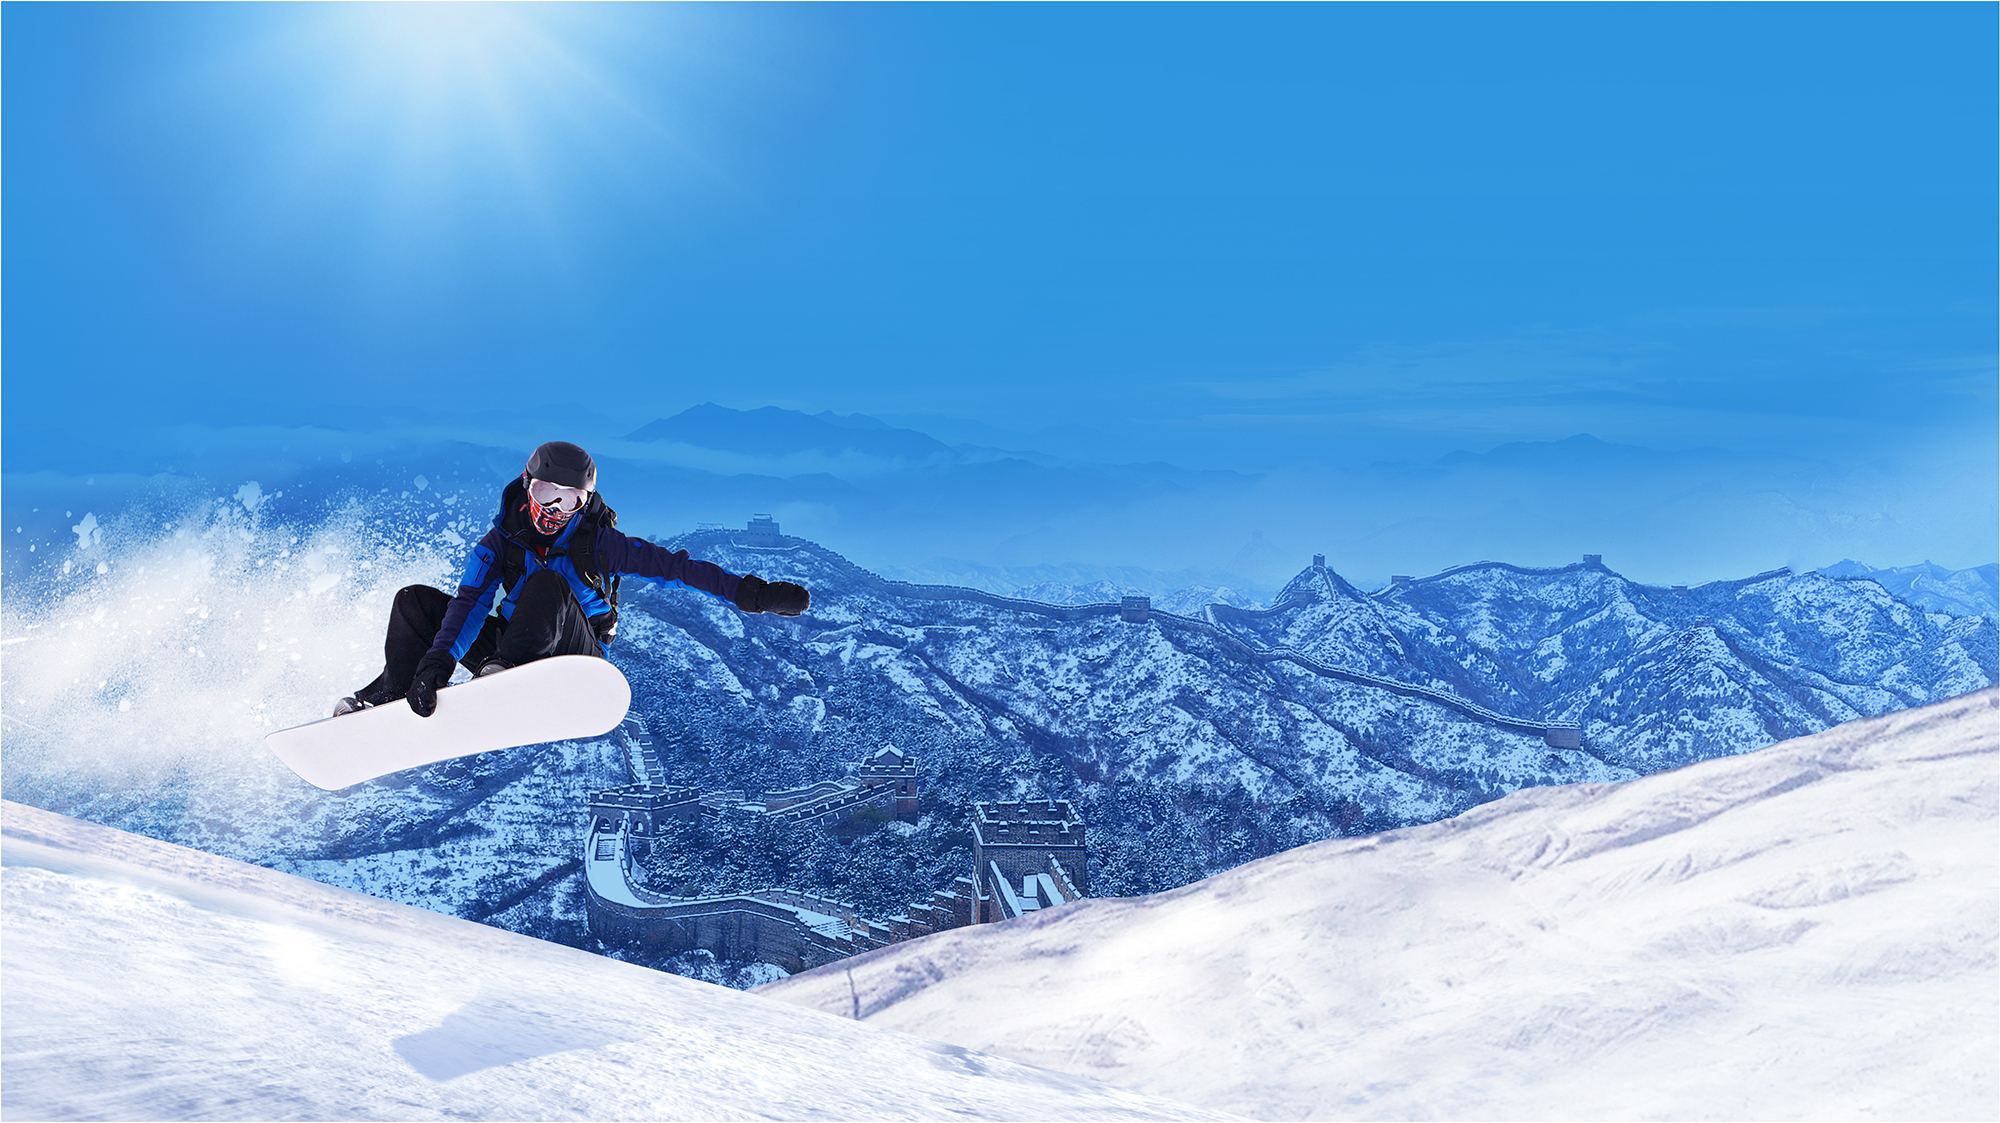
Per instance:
{"type": "Point", "coordinates": [561, 462]}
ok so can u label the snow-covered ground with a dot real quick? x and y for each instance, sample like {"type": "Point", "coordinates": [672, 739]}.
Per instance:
{"type": "Point", "coordinates": [1804, 932]}
{"type": "Point", "coordinates": [146, 981]}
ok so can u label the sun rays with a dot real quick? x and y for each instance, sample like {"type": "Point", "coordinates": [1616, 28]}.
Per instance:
{"type": "Point", "coordinates": [440, 131]}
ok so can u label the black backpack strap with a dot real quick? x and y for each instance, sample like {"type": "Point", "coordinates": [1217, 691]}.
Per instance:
{"type": "Point", "coordinates": [584, 555]}
{"type": "Point", "coordinates": [513, 563]}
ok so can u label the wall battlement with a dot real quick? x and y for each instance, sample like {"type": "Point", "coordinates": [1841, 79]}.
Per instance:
{"type": "Point", "coordinates": [1036, 844]}
{"type": "Point", "coordinates": [762, 532]}
{"type": "Point", "coordinates": [795, 931]}
{"type": "Point", "coordinates": [792, 930]}
{"type": "Point", "coordinates": [643, 808]}
{"type": "Point", "coordinates": [886, 780]}
{"type": "Point", "coordinates": [1031, 823]}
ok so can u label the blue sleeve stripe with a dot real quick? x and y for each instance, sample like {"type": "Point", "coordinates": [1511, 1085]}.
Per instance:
{"type": "Point", "coordinates": [478, 567]}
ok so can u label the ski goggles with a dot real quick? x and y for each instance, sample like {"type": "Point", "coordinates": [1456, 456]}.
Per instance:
{"type": "Point", "coordinates": [556, 497]}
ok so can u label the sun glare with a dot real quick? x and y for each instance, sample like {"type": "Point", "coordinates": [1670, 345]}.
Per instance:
{"type": "Point", "coordinates": [453, 79]}
{"type": "Point", "coordinates": [436, 39]}
{"type": "Point", "coordinates": [414, 117]}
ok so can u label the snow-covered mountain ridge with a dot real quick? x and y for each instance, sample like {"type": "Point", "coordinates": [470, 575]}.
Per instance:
{"type": "Point", "coordinates": [150, 667]}
{"type": "Point", "coordinates": [1807, 931]}
{"type": "Point", "coordinates": [1657, 677]}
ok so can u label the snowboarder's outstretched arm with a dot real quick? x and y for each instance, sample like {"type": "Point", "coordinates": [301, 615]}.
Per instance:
{"type": "Point", "coordinates": [748, 592]}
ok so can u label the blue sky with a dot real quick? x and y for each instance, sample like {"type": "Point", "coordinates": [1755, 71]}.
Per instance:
{"type": "Point", "coordinates": [1291, 237]}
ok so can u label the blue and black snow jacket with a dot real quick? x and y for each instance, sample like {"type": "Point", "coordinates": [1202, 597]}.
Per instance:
{"type": "Point", "coordinates": [589, 552]}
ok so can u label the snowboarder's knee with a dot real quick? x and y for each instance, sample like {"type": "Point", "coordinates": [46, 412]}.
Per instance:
{"type": "Point", "coordinates": [545, 584]}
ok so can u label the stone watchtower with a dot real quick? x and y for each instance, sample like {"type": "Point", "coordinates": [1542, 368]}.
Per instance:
{"type": "Point", "coordinates": [643, 807]}
{"type": "Point", "coordinates": [1016, 845]}
{"type": "Point", "coordinates": [892, 766]}
{"type": "Point", "coordinates": [763, 531]}
{"type": "Point", "coordinates": [641, 810]}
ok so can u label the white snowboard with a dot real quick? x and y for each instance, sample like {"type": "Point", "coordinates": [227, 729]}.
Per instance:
{"type": "Point", "coordinates": [552, 699]}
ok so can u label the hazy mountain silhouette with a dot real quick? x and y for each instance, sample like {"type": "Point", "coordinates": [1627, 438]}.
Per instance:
{"type": "Point", "coordinates": [772, 431]}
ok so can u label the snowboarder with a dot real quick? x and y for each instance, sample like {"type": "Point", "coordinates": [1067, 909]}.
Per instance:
{"type": "Point", "coordinates": [556, 552]}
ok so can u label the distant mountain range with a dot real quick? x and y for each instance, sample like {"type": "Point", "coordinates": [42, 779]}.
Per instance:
{"type": "Point", "coordinates": [774, 432]}
{"type": "Point", "coordinates": [906, 504]}
{"type": "Point", "coordinates": [1655, 676]}
{"type": "Point", "coordinates": [1194, 738]}
{"type": "Point", "coordinates": [1933, 588]}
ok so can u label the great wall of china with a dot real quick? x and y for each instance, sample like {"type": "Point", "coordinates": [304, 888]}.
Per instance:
{"type": "Point", "coordinates": [792, 930]}
{"type": "Point", "coordinates": [1038, 846]}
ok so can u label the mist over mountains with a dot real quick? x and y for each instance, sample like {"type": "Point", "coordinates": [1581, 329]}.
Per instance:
{"type": "Point", "coordinates": [1524, 501]}
{"type": "Point", "coordinates": [908, 505]}
{"type": "Point", "coordinates": [776, 433]}
{"type": "Point", "coordinates": [1933, 588]}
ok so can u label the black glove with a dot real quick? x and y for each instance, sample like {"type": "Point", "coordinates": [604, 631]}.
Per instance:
{"type": "Point", "coordinates": [785, 598]}
{"type": "Point", "coordinates": [433, 671]}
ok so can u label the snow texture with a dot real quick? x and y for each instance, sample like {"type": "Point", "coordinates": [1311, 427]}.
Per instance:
{"type": "Point", "coordinates": [146, 981]}
{"type": "Point", "coordinates": [1804, 932]}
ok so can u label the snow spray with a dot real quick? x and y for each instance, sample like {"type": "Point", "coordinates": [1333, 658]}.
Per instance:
{"type": "Point", "coordinates": [157, 645]}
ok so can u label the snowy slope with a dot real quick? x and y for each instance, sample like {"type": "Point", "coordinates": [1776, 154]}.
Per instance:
{"type": "Point", "coordinates": [1806, 932]}
{"type": "Point", "coordinates": [146, 981]}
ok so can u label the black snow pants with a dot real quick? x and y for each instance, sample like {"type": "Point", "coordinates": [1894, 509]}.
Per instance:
{"type": "Point", "coordinates": [547, 621]}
